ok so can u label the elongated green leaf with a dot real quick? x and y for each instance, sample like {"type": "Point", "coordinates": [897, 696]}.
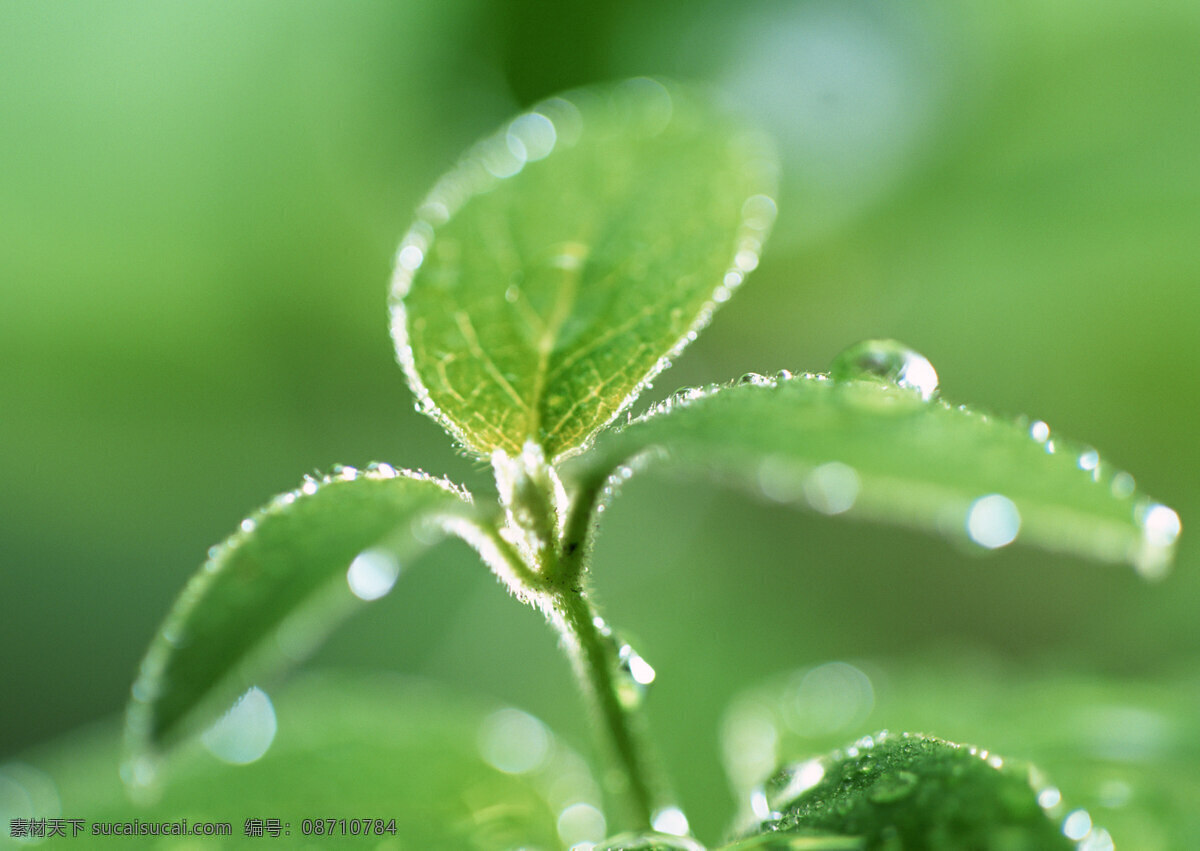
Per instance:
{"type": "Point", "coordinates": [881, 450]}
{"type": "Point", "coordinates": [270, 592]}
{"type": "Point", "coordinates": [908, 791]}
{"type": "Point", "coordinates": [561, 264]}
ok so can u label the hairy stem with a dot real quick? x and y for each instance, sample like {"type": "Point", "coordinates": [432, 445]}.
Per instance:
{"type": "Point", "coordinates": [595, 665]}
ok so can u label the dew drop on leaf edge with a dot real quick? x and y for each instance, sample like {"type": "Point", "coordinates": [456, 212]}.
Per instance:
{"type": "Point", "coordinates": [888, 361]}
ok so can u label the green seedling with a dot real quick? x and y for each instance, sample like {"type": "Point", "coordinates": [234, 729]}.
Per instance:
{"type": "Point", "coordinates": [548, 278]}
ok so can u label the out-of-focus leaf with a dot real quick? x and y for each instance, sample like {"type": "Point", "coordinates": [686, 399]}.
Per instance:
{"type": "Point", "coordinates": [890, 450]}
{"type": "Point", "coordinates": [909, 791]}
{"type": "Point", "coordinates": [561, 264]}
{"type": "Point", "coordinates": [450, 773]}
{"type": "Point", "coordinates": [270, 592]}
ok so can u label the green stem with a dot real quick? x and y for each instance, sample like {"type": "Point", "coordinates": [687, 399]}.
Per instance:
{"type": "Point", "coordinates": [545, 569]}
{"type": "Point", "coordinates": [596, 667]}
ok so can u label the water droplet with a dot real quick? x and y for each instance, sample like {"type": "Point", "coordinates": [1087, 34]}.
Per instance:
{"type": "Point", "coordinates": [832, 488]}
{"type": "Point", "coordinates": [1039, 431]}
{"type": "Point", "coordinates": [512, 294]}
{"type": "Point", "coordinates": [1123, 485]}
{"type": "Point", "coordinates": [829, 698]}
{"type": "Point", "coordinates": [310, 486]}
{"type": "Point", "coordinates": [1160, 529]}
{"type": "Point", "coordinates": [1077, 824]}
{"type": "Point", "coordinates": [1089, 460]}
{"type": "Point", "coordinates": [1049, 798]}
{"type": "Point", "coordinates": [635, 666]}
{"type": "Point", "coordinates": [535, 134]}
{"type": "Point", "coordinates": [755, 379]}
{"type": "Point", "coordinates": [513, 741]}
{"type": "Point", "coordinates": [410, 257]}
{"type": "Point", "coordinates": [784, 375]}
{"type": "Point", "coordinates": [746, 260]}
{"type": "Point", "coordinates": [893, 787]}
{"type": "Point", "coordinates": [581, 823]}
{"type": "Point", "coordinates": [248, 525]}
{"type": "Point", "coordinates": [1160, 525]}
{"type": "Point", "coordinates": [1098, 840]}
{"type": "Point", "coordinates": [670, 820]}
{"type": "Point", "coordinates": [634, 676]}
{"type": "Point", "coordinates": [245, 732]}
{"type": "Point", "coordinates": [993, 521]}
{"type": "Point", "coordinates": [758, 212]}
{"type": "Point", "coordinates": [795, 780]}
{"type": "Point", "coordinates": [372, 574]}
{"type": "Point", "coordinates": [890, 361]}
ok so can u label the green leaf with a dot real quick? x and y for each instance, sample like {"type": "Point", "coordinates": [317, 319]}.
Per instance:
{"type": "Point", "coordinates": [883, 451]}
{"type": "Point", "coordinates": [1126, 751]}
{"type": "Point", "coordinates": [269, 594]}
{"type": "Point", "coordinates": [451, 773]}
{"type": "Point", "coordinates": [911, 791]}
{"type": "Point", "coordinates": [568, 257]}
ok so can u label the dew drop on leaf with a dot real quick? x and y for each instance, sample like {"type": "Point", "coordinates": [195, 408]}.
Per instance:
{"type": "Point", "coordinates": [372, 574]}
{"type": "Point", "coordinates": [993, 521]}
{"type": "Point", "coordinates": [670, 820]}
{"type": "Point", "coordinates": [889, 361]}
{"type": "Point", "coordinates": [245, 732]}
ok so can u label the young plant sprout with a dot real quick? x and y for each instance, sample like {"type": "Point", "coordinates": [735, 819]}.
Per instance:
{"type": "Point", "coordinates": [548, 278]}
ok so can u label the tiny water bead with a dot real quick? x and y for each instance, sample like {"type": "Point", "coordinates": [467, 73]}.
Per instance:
{"type": "Point", "coordinates": [888, 361]}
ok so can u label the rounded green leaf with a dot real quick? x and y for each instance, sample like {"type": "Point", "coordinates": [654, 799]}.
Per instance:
{"type": "Point", "coordinates": [270, 593]}
{"type": "Point", "coordinates": [909, 791]}
{"type": "Point", "coordinates": [886, 448]}
{"type": "Point", "coordinates": [569, 256]}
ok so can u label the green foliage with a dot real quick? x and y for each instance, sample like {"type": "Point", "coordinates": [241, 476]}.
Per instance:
{"type": "Point", "coordinates": [549, 276]}
{"type": "Point", "coordinates": [906, 791]}
{"type": "Point", "coordinates": [270, 592]}
{"type": "Point", "coordinates": [347, 747]}
{"type": "Point", "coordinates": [883, 451]}
{"type": "Point", "coordinates": [553, 272]}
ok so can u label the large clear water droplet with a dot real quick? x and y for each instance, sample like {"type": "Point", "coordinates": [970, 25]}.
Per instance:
{"type": "Point", "coordinates": [890, 361]}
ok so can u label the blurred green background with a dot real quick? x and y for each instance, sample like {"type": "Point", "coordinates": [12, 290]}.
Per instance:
{"type": "Point", "coordinates": [199, 205]}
